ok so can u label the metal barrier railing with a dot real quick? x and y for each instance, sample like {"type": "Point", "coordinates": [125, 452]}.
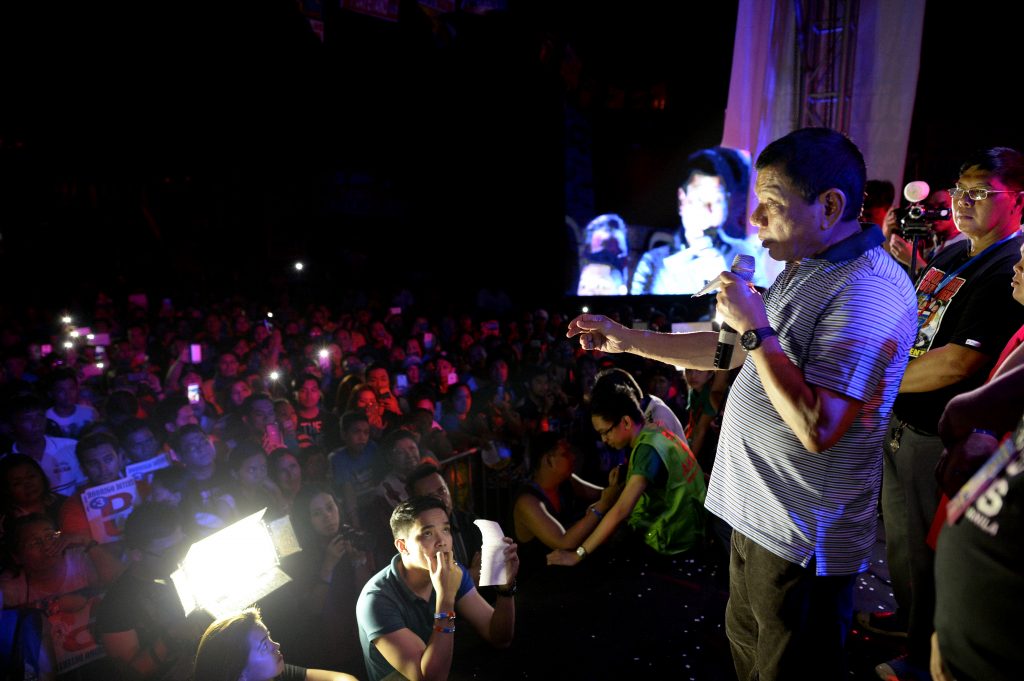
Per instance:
{"type": "Point", "coordinates": [477, 487]}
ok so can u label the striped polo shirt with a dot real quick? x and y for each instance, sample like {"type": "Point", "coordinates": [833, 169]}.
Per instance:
{"type": "Point", "coordinates": [846, 318]}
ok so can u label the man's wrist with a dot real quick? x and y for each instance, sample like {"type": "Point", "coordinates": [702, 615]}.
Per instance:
{"type": "Point", "coordinates": [508, 591]}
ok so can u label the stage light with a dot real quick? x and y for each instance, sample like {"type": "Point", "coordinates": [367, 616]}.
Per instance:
{"type": "Point", "coordinates": [585, 309]}
{"type": "Point", "coordinates": [99, 365]}
{"type": "Point", "coordinates": [68, 344]}
{"type": "Point", "coordinates": [66, 319]}
{"type": "Point", "coordinates": [236, 566]}
{"type": "Point", "coordinates": [274, 376]}
{"type": "Point", "coordinates": [324, 354]}
{"type": "Point", "coordinates": [299, 266]}
{"type": "Point", "coordinates": [270, 315]}
{"type": "Point", "coordinates": [73, 334]}
{"type": "Point", "coordinates": [90, 336]}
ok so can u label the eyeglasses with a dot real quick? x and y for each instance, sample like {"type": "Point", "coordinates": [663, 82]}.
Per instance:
{"type": "Point", "coordinates": [603, 433]}
{"type": "Point", "coordinates": [42, 541]}
{"type": "Point", "coordinates": [977, 193]}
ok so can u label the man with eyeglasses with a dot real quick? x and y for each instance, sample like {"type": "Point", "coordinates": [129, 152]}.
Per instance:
{"type": "Point", "coordinates": [140, 621]}
{"type": "Point", "coordinates": [966, 313]}
{"type": "Point", "coordinates": [799, 457]}
{"type": "Point", "coordinates": [663, 498]}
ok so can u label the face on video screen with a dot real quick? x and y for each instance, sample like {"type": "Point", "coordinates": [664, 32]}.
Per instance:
{"type": "Point", "coordinates": [619, 258]}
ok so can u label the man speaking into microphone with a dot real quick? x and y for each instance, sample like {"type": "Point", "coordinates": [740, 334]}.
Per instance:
{"type": "Point", "coordinates": [798, 468]}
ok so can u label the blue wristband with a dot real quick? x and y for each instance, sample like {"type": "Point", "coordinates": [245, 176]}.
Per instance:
{"type": "Point", "coordinates": [593, 509]}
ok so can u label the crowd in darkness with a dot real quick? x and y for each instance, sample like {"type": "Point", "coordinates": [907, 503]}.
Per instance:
{"type": "Point", "coordinates": [369, 426]}
{"type": "Point", "coordinates": [330, 416]}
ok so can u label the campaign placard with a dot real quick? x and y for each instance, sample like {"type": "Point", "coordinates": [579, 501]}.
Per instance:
{"type": "Point", "coordinates": [73, 642]}
{"type": "Point", "coordinates": [143, 470]}
{"type": "Point", "coordinates": [107, 506]}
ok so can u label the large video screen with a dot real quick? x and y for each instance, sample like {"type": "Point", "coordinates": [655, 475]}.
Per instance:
{"type": "Point", "coordinates": [616, 258]}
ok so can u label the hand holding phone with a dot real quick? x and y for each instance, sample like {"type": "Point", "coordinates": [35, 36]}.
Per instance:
{"type": "Point", "coordinates": [272, 438]}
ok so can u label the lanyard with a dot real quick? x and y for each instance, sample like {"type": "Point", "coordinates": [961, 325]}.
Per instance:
{"type": "Point", "coordinates": [949, 277]}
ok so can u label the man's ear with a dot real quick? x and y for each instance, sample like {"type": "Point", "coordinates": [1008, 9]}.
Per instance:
{"type": "Point", "coordinates": [400, 545]}
{"type": "Point", "coordinates": [833, 202]}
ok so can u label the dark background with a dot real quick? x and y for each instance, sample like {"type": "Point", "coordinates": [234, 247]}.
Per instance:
{"type": "Point", "coordinates": [198, 149]}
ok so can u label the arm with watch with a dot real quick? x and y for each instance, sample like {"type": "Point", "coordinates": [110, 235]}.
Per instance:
{"type": "Point", "coordinates": [818, 416]}
{"type": "Point", "coordinates": [616, 515]}
{"type": "Point", "coordinates": [533, 520]}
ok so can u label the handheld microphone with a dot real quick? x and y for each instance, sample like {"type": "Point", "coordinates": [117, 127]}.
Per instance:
{"type": "Point", "coordinates": [742, 267]}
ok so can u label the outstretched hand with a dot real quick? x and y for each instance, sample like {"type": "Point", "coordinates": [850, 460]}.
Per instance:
{"type": "Point", "coordinates": [597, 332]}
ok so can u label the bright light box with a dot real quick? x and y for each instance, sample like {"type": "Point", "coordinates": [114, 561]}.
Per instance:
{"type": "Point", "coordinates": [235, 567]}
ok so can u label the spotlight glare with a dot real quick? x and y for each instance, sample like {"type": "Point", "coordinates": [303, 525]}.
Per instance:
{"type": "Point", "coordinates": [324, 354]}
{"type": "Point", "coordinates": [585, 309]}
{"type": "Point", "coordinates": [91, 336]}
{"type": "Point", "coordinates": [234, 566]}
{"type": "Point", "coordinates": [73, 334]}
{"type": "Point", "coordinates": [299, 266]}
{"type": "Point", "coordinates": [66, 319]}
{"type": "Point", "coordinates": [99, 365]}
{"type": "Point", "coordinates": [270, 315]}
{"type": "Point", "coordinates": [68, 344]}
{"type": "Point", "coordinates": [274, 375]}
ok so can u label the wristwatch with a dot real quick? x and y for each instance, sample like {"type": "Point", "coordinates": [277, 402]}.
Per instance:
{"type": "Point", "coordinates": [751, 340]}
{"type": "Point", "coordinates": [508, 592]}
{"type": "Point", "coordinates": [581, 552]}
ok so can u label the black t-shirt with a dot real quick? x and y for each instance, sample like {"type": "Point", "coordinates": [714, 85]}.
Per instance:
{"type": "Point", "coordinates": [976, 310]}
{"type": "Point", "coordinates": [322, 430]}
{"type": "Point", "coordinates": [979, 583]}
{"type": "Point", "coordinates": [151, 609]}
{"type": "Point", "coordinates": [199, 504]}
{"type": "Point", "coordinates": [533, 553]}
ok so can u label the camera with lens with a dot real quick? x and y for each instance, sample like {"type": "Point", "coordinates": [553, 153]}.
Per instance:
{"type": "Point", "coordinates": [917, 220]}
{"type": "Point", "coordinates": [359, 539]}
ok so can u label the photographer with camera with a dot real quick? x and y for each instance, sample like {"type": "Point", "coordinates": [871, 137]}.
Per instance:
{"type": "Point", "coordinates": [939, 232]}
{"type": "Point", "coordinates": [966, 313]}
{"type": "Point", "coordinates": [329, 572]}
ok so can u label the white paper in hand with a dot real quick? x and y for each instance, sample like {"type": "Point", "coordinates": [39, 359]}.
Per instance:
{"type": "Point", "coordinates": [493, 569]}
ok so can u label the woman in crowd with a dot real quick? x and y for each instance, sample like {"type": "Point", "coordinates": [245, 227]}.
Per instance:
{"type": "Point", "coordinates": [24, 489]}
{"type": "Point", "coordinates": [329, 572]}
{"type": "Point", "coordinates": [49, 567]}
{"type": "Point", "coordinates": [286, 472]}
{"type": "Point", "coordinates": [364, 398]}
{"type": "Point", "coordinates": [250, 489]}
{"type": "Point", "coordinates": [239, 648]}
